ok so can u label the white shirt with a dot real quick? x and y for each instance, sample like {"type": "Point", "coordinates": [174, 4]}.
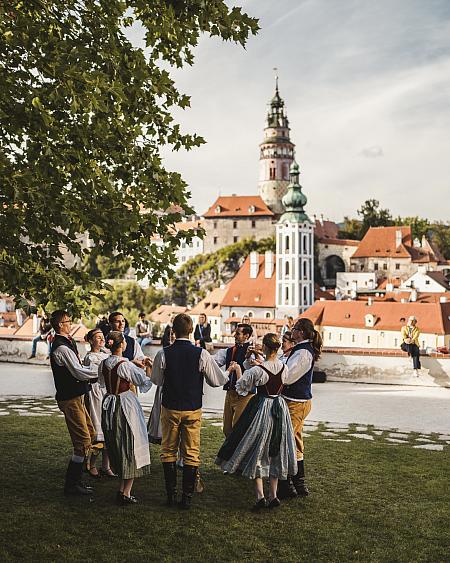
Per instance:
{"type": "Point", "coordinates": [299, 363]}
{"type": "Point", "coordinates": [64, 356]}
{"type": "Point", "coordinates": [214, 376]}
{"type": "Point", "coordinates": [256, 376]}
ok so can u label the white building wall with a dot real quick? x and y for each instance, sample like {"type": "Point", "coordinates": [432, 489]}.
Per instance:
{"type": "Point", "coordinates": [295, 268]}
{"type": "Point", "coordinates": [422, 283]}
{"type": "Point", "coordinates": [340, 337]}
{"type": "Point", "coordinates": [346, 282]}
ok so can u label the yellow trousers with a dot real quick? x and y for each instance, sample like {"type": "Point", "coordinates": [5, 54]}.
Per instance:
{"type": "Point", "coordinates": [79, 424]}
{"type": "Point", "coordinates": [181, 429]}
{"type": "Point", "coordinates": [298, 412]}
{"type": "Point", "coordinates": [233, 408]}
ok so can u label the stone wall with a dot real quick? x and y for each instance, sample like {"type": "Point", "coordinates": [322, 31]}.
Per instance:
{"type": "Point", "coordinates": [395, 368]}
{"type": "Point", "coordinates": [224, 231]}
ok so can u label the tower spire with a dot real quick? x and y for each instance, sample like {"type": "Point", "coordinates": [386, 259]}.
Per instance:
{"type": "Point", "coordinates": [276, 153]}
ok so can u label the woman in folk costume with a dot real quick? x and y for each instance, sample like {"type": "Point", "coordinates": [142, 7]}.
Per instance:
{"type": "Point", "coordinates": [93, 358]}
{"type": "Point", "coordinates": [261, 444]}
{"type": "Point", "coordinates": [123, 421]}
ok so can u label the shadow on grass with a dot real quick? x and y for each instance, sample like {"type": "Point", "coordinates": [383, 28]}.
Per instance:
{"type": "Point", "coordinates": [369, 502]}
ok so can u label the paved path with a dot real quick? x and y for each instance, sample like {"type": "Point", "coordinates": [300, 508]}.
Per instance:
{"type": "Point", "coordinates": [416, 409]}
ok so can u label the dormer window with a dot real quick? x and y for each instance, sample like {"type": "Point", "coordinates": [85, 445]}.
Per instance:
{"type": "Point", "coordinates": [218, 209]}
{"type": "Point", "coordinates": [369, 320]}
{"type": "Point", "coordinates": [251, 208]}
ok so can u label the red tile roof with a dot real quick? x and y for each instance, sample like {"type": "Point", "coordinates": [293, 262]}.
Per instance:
{"type": "Point", "coordinates": [326, 229]}
{"type": "Point", "coordinates": [432, 318]}
{"type": "Point", "coordinates": [238, 206]}
{"type": "Point", "coordinates": [381, 241]}
{"type": "Point", "coordinates": [244, 291]}
{"type": "Point", "coordinates": [163, 312]}
{"type": "Point", "coordinates": [340, 241]}
{"type": "Point", "coordinates": [211, 304]}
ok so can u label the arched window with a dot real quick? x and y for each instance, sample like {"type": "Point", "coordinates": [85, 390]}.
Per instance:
{"type": "Point", "coordinates": [286, 294]}
{"type": "Point", "coordinates": [286, 269]}
{"type": "Point", "coordinates": [305, 295]}
{"type": "Point", "coordinates": [268, 315]}
{"type": "Point", "coordinates": [305, 270]}
{"type": "Point", "coordinates": [250, 314]}
{"type": "Point", "coordinates": [233, 314]}
{"type": "Point", "coordinates": [286, 242]}
{"type": "Point", "coordinates": [305, 244]}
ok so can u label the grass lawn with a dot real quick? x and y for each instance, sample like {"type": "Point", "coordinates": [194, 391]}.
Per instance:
{"type": "Point", "coordinates": [370, 501]}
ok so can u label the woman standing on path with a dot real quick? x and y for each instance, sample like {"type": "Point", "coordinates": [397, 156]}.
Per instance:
{"type": "Point", "coordinates": [123, 421]}
{"type": "Point", "coordinates": [261, 444]}
{"type": "Point", "coordinates": [93, 358]}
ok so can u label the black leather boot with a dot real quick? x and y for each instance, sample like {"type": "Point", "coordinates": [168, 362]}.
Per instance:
{"type": "Point", "coordinates": [73, 485]}
{"type": "Point", "coordinates": [286, 489]}
{"type": "Point", "coordinates": [170, 477]}
{"type": "Point", "coordinates": [299, 480]}
{"type": "Point", "coordinates": [189, 477]}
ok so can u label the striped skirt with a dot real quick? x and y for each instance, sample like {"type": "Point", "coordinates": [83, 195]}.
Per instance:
{"type": "Point", "coordinates": [120, 444]}
{"type": "Point", "coordinates": [262, 443]}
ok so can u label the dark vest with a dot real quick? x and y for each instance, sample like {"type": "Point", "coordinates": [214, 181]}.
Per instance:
{"type": "Point", "coordinates": [274, 386]}
{"type": "Point", "coordinates": [235, 354]}
{"type": "Point", "coordinates": [67, 386]}
{"type": "Point", "coordinates": [183, 382]}
{"type": "Point", "coordinates": [129, 350]}
{"type": "Point", "coordinates": [301, 389]}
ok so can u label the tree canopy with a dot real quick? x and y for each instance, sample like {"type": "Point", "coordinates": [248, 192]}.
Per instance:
{"type": "Point", "coordinates": [83, 116]}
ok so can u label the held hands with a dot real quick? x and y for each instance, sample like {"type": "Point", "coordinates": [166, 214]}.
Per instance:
{"type": "Point", "coordinates": [139, 363]}
{"type": "Point", "coordinates": [236, 368]}
{"type": "Point", "coordinates": [408, 340]}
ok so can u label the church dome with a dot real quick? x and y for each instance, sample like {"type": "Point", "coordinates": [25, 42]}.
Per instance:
{"type": "Point", "coordinates": [294, 200]}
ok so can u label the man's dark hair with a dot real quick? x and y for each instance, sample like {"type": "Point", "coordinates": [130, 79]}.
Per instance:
{"type": "Point", "coordinates": [56, 317]}
{"type": "Point", "coordinates": [112, 316]}
{"type": "Point", "coordinates": [246, 328]}
{"type": "Point", "coordinates": [141, 314]}
{"type": "Point", "coordinates": [182, 325]}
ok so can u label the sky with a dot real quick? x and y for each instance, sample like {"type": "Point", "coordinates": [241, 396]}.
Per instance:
{"type": "Point", "coordinates": [367, 91]}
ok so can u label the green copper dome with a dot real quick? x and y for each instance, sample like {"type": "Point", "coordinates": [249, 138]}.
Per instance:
{"type": "Point", "coordinates": [294, 200]}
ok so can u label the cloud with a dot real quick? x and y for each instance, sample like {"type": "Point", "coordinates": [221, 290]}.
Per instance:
{"type": "Point", "coordinates": [372, 152]}
{"type": "Point", "coordinates": [361, 81]}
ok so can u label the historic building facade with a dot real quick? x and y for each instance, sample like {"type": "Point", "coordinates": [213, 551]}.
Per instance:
{"type": "Point", "coordinates": [277, 153]}
{"type": "Point", "coordinates": [295, 252]}
{"type": "Point", "coordinates": [231, 219]}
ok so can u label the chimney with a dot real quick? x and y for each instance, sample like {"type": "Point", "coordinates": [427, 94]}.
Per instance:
{"type": "Point", "coordinates": [369, 301]}
{"type": "Point", "coordinates": [413, 297]}
{"type": "Point", "coordinates": [389, 287]}
{"type": "Point", "coordinates": [268, 264]}
{"type": "Point", "coordinates": [254, 265]}
{"type": "Point", "coordinates": [398, 238]}
{"type": "Point", "coordinates": [443, 299]}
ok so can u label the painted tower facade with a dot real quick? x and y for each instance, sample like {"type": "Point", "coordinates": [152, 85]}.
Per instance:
{"type": "Point", "coordinates": [295, 252]}
{"type": "Point", "coordinates": [276, 155]}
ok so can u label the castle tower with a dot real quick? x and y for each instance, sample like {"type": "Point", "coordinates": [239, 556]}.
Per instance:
{"type": "Point", "coordinates": [276, 155]}
{"type": "Point", "coordinates": [295, 252]}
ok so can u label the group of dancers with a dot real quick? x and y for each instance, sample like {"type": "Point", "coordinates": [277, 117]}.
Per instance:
{"type": "Point", "coordinates": [268, 397]}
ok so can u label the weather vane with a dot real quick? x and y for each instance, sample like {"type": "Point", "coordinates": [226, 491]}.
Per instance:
{"type": "Point", "coordinates": [275, 69]}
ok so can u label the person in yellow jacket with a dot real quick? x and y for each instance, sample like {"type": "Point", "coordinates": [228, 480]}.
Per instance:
{"type": "Point", "coordinates": [410, 342]}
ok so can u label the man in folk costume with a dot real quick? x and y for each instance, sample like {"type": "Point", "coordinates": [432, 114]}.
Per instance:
{"type": "Point", "coordinates": [133, 351]}
{"type": "Point", "coordinates": [234, 403]}
{"type": "Point", "coordinates": [181, 370]}
{"type": "Point", "coordinates": [72, 384]}
{"type": "Point", "coordinates": [298, 397]}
